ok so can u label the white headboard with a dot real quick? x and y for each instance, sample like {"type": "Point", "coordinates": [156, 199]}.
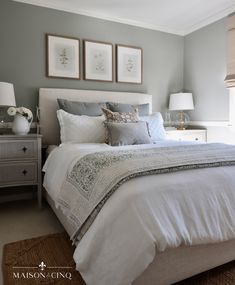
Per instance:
{"type": "Point", "coordinates": [48, 105]}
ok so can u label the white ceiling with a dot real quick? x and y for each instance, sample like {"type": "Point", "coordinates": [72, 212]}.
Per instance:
{"type": "Point", "coordinates": [174, 16]}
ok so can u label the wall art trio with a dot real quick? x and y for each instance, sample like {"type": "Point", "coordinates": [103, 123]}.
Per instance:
{"type": "Point", "coordinates": [63, 60]}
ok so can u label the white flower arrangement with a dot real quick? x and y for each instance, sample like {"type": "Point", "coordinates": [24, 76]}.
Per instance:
{"type": "Point", "coordinates": [12, 111]}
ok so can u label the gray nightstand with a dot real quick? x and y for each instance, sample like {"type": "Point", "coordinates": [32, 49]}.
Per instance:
{"type": "Point", "coordinates": [20, 161]}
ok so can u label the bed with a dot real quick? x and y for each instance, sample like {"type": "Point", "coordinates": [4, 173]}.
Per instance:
{"type": "Point", "coordinates": [157, 266]}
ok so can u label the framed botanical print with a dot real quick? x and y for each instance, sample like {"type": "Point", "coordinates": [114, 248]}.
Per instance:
{"type": "Point", "coordinates": [129, 64]}
{"type": "Point", "coordinates": [63, 57]}
{"type": "Point", "coordinates": [98, 61]}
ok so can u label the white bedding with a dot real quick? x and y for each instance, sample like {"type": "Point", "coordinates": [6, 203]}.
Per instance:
{"type": "Point", "coordinates": [147, 213]}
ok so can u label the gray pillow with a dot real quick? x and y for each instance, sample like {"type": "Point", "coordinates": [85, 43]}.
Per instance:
{"type": "Point", "coordinates": [128, 133]}
{"type": "Point", "coordinates": [81, 108]}
{"type": "Point", "coordinates": [143, 109]}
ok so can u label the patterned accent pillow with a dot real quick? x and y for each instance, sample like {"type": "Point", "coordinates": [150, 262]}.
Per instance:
{"type": "Point", "coordinates": [143, 109]}
{"type": "Point", "coordinates": [128, 117]}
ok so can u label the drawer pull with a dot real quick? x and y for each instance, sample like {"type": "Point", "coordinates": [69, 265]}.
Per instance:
{"type": "Point", "coordinates": [24, 172]}
{"type": "Point", "coordinates": [24, 149]}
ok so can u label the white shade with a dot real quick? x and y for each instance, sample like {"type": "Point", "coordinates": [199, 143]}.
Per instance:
{"type": "Point", "coordinates": [7, 95]}
{"type": "Point", "coordinates": [181, 101]}
{"type": "Point", "coordinates": [230, 76]}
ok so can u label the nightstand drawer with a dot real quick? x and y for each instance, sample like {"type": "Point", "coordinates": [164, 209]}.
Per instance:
{"type": "Point", "coordinates": [18, 149]}
{"type": "Point", "coordinates": [17, 173]}
{"type": "Point", "coordinates": [192, 137]}
{"type": "Point", "coordinates": [20, 163]}
{"type": "Point", "coordinates": [187, 135]}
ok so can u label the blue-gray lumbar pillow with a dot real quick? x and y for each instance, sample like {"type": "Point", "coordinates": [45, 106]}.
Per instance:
{"type": "Point", "coordinates": [143, 109]}
{"type": "Point", "coordinates": [128, 133]}
{"type": "Point", "coordinates": [81, 108]}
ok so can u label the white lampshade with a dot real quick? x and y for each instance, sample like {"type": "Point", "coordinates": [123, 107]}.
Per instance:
{"type": "Point", "coordinates": [7, 94]}
{"type": "Point", "coordinates": [181, 101]}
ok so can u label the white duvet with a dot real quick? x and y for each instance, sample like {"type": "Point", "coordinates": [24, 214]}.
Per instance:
{"type": "Point", "coordinates": [147, 214]}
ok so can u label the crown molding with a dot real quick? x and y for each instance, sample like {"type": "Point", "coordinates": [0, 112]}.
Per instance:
{"type": "Point", "coordinates": [102, 16]}
{"type": "Point", "coordinates": [210, 19]}
{"type": "Point", "coordinates": [202, 23]}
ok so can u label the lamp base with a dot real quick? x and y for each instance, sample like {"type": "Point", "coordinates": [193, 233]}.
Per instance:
{"type": "Point", "coordinates": [181, 128]}
{"type": "Point", "coordinates": [2, 116]}
{"type": "Point", "coordinates": [182, 120]}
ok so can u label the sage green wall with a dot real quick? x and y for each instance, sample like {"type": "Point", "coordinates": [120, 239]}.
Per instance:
{"type": "Point", "coordinates": [22, 54]}
{"type": "Point", "coordinates": [205, 70]}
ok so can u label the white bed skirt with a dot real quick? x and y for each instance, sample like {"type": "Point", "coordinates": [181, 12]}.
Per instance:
{"type": "Point", "coordinates": [176, 264]}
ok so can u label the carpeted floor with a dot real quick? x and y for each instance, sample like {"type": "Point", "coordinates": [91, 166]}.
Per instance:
{"type": "Point", "coordinates": [49, 260]}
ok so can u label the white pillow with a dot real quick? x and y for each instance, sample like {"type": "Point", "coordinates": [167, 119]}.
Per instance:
{"type": "Point", "coordinates": [155, 124]}
{"type": "Point", "coordinates": [81, 129]}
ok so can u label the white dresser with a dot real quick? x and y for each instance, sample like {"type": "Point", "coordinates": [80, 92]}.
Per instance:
{"type": "Point", "coordinates": [187, 135]}
{"type": "Point", "coordinates": [20, 161]}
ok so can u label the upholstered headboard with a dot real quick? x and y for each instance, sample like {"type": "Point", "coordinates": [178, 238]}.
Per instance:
{"type": "Point", "coordinates": [48, 105]}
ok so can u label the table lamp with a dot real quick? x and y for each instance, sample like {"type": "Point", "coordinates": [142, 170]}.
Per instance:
{"type": "Point", "coordinates": [181, 102]}
{"type": "Point", "coordinates": [7, 98]}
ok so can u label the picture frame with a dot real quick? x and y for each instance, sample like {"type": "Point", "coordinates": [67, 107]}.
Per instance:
{"type": "Point", "coordinates": [62, 57]}
{"type": "Point", "coordinates": [129, 64]}
{"type": "Point", "coordinates": [98, 61]}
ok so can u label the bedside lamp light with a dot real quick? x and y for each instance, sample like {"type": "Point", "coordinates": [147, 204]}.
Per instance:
{"type": "Point", "coordinates": [7, 97]}
{"type": "Point", "coordinates": [181, 102]}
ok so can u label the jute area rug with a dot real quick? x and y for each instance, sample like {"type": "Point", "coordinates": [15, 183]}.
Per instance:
{"type": "Point", "coordinates": [42, 260]}
{"type": "Point", "coordinates": [49, 260]}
